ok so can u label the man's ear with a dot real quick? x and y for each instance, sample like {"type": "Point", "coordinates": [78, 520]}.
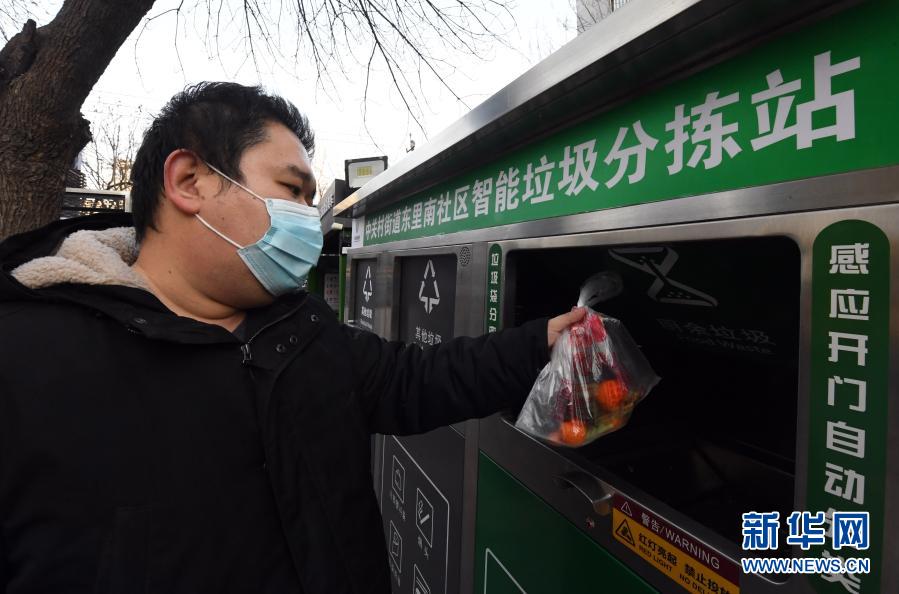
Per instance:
{"type": "Point", "coordinates": [183, 177]}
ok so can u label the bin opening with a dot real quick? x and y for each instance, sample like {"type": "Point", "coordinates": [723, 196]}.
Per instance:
{"type": "Point", "coordinates": [719, 322]}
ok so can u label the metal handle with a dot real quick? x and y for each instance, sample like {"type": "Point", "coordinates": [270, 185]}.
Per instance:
{"type": "Point", "coordinates": [589, 487]}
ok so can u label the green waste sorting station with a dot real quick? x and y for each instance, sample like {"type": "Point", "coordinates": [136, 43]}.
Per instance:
{"type": "Point", "coordinates": [737, 164]}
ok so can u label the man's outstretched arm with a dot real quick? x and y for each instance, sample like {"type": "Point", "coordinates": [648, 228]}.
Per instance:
{"type": "Point", "coordinates": [405, 389]}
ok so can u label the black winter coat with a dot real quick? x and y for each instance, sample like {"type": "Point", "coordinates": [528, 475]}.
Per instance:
{"type": "Point", "coordinates": [145, 452]}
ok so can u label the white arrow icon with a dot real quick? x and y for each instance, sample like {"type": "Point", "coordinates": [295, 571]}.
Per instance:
{"type": "Point", "coordinates": [367, 290]}
{"type": "Point", "coordinates": [430, 302]}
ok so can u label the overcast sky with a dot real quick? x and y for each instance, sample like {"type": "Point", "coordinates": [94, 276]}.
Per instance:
{"type": "Point", "coordinates": [148, 71]}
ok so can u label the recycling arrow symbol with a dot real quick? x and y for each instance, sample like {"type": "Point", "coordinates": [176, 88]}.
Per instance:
{"type": "Point", "coordinates": [429, 301]}
{"type": "Point", "coordinates": [367, 289]}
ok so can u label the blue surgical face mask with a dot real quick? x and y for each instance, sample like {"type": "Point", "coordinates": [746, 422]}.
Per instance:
{"type": "Point", "coordinates": [282, 259]}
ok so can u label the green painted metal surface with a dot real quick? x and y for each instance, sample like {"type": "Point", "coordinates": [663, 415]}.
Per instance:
{"type": "Point", "coordinates": [849, 388]}
{"type": "Point", "coordinates": [493, 311]}
{"type": "Point", "coordinates": [342, 287]}
{"type": "Point", "coordinates": [813, 102]}
{"type": "Point", "coordinates": [525, 547]}
{"type": "Point", "coordinates": [314, 281]}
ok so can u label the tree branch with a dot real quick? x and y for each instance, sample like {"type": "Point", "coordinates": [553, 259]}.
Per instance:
{"type": "Point", "coordinates": [18, 54]}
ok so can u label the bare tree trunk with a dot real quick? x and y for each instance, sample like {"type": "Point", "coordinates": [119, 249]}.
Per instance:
{"type": "Point", "coordinates": [46, 74]}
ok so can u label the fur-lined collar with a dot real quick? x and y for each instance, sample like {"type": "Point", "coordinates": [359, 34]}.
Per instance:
{"type": "Point", "coordinates": [86, 257]}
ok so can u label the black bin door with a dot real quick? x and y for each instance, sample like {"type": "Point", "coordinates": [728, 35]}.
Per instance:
{"type": "Point", "coordinates": [428, 299]}
{"type": "Point", "coordinates": [365, 296]}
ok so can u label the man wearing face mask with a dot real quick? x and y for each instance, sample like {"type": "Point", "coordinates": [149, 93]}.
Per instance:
{"type": "Point", "coordinates": [176, 414]}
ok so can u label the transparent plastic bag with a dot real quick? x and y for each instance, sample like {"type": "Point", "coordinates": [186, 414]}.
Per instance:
{"type": "Point", "coordinates": [595, 377]}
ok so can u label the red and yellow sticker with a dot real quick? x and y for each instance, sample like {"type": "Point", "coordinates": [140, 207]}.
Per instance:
{"type": "Point", "coordinates": [682, 558]}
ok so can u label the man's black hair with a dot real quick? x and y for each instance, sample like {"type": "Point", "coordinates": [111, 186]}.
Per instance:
{"type": "Point", "coordinates": [216, 120]}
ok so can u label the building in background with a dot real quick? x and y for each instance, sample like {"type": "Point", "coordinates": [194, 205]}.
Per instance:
{"type": "Point", "coordinates": [78, 202]}
{"type": "Point", "coordinates": [74, 176]}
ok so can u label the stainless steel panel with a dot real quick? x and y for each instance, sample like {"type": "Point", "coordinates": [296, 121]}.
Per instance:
{"type": "Point", "coordinates": [383, 285]}
{"type": "Point", "coordinates": [536, 464]}
{"type": "Point", "coordinates": [858, 188]}
{"type": "Point", "coordinates": [795, 209]}
{"type": "Point", "coordinates": [469, 506]}
{"type": "Point", "coordinates": [470, 285]}
{"type": "Point", "coordinates": [469, 321]}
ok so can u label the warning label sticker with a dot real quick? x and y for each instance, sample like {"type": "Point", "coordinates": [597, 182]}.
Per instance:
{"type": "Point", "coordinates": [624, 532]}
{"type": "Point", "coordinates": [675, 553]}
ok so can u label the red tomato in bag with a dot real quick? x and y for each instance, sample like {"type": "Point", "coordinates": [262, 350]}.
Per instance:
{"type": "Point", "coordinates": [610, 394]}
{"type": "Point", "coordinates": [573, 432]}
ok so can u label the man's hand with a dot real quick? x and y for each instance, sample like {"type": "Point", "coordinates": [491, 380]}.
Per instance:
{"type": "Point", "coordinates": [558, 324]}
